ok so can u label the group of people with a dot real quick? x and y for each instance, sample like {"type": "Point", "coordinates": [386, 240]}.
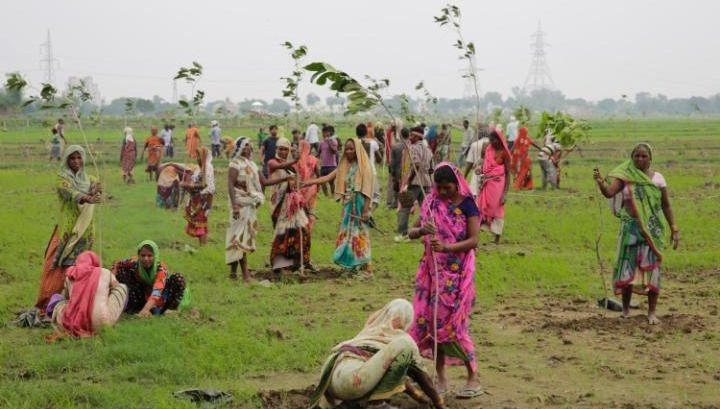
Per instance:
{"type": "Point", "coordinates": [81, 296]}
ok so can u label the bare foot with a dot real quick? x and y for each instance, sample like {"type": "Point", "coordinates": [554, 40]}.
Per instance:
{"type": "Point", "coordinates": [653, 320]}
{"type": "Point", "coordinates": [441, 385]}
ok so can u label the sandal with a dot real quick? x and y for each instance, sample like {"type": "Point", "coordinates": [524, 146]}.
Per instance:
{"type": "Point", "coordinates": [469, 393]}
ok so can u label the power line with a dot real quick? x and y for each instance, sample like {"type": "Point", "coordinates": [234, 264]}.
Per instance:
{"type": "Point", "coordinates": [49, 61]}
{"type": "Point", "coordinates": [539, 75]}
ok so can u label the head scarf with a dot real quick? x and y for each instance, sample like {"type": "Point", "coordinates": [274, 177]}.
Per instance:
{"type": "Point", "coordinates": [433, 203]}
{"type": "Point", "coordinates": [505, 148]}
{"type": "Point", "coordinates": [148, 275]}
{"type": "Point", "coordinates": [391, 321]}
{"type": "Point", "coordinates": [239, 146]}
{"type": "Point", "coordinates": [84, 275]}
{"type": "Point", "coordinates": [128, 135]}
{"type": "Point", "coordinates": [647, 147]}
{"type": "Point", "coordinates": [79, 180]}
{"type": "Point", "coordinates": [282, 142]}
{"type": "Point", "coordinates": [363, 176]}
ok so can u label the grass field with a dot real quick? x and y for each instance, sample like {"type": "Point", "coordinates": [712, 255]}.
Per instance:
{"type": "Point", "coordinates": [541, 339]}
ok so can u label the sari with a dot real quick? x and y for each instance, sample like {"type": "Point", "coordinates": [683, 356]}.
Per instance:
{"type": "Point", "coordinates": [374, 364]}
{"type": "Point", "coordinates": [353, 186]}
{"type": "Point", "coordinates": [492, 187]}
{"type": "Point", "coordinates": [201, 196]}
{"type": "Point", "coordinates": [192, 142]}
{"type": "Point", "coordinates": [455, 281]}
{"type": "Point", "coordinates": [74, 233]}
{"type": "Point", "coordinates": [642, 230]}
{"type": "Point", "coordinates": [241, 232]}
{"type": "Point", "coordinates": [521, 165]}
{"type": "Point", "coordinates": [291, 237]}
{"type": "Point", "coordinates": [306, 166]}
{"type": "Point", "coordinates": [155, 146]}
{"type": "Point", "coordinates": [128, 153]}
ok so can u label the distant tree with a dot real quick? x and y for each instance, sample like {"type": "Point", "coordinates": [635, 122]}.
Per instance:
{"type": "Point", "coordinates": [279, 106]}
{"type": "Point", "coordinates": [312, 99]}
{"type": "Point", "coordinates": [144, 106]}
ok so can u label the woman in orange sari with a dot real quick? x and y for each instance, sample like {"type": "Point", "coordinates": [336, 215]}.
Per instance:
{"type": "Point", "coordinates": [192, 140]}
{"type": "Point", "coordinates": [307, 167]}
{"type": "Point", "coordinates": [521, 165]}
{"type": "Point", "coordinates": [154, 145]}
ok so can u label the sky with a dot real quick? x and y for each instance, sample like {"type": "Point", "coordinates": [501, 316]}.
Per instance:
{"type": "Point", "coordinates": [597, 49]}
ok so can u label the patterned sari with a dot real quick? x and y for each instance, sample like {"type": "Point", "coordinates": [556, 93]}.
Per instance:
{"type": "Point", "coordinates": [201, 198]}
{"type": "Point", "coordinates": [168, 184]}
{"type": "Point", "coordinates": [455, 281]}
{"type": "Point", "coordinates": [642, 232]}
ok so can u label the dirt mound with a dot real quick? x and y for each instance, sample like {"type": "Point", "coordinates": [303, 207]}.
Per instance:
{"type": "Point", "coordinates": [685, 323]}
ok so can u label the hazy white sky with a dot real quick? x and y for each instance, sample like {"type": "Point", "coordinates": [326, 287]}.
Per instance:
{"type": "Point", "coordinates": [598, 48]}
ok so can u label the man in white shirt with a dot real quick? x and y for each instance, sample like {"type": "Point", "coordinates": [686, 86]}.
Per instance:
{"type": "Point", "coordinates": [215, 141]}
{"type": "Point", "coordinates": [549, 149]}
{"type": "Point", "coordinates": [166, 136]}
{"type": "Point", "coordinates": [512, 131]}
{"type": "Point", "coordinates": [468, 138]}
{"type": "Point", "coordinates": [312, 136]}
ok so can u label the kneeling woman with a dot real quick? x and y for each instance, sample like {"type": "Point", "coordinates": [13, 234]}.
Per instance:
{"type": "Point", "coordinates": [93, 298]}
{"type": "Point", "coordinates": [151, 289]}
{"type": "Point", "coordinates": [376, 364]}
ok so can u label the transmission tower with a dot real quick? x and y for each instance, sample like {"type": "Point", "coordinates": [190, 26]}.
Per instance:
{"type": "Point", "coordinates": [539, 75]}
{"type": "Point", "coordinates": [48, 62]}
{"type": "Point", "coordinates": [469, 91]}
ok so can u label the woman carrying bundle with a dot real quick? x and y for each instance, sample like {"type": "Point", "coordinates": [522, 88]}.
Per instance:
{"type": "Point", "coordinates": [643, 195]}
{"type": "Point", "coordinates": [449, 226]}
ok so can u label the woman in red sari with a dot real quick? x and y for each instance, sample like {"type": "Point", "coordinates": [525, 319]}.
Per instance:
{"type": "Point", "coordinates": [521, 166]}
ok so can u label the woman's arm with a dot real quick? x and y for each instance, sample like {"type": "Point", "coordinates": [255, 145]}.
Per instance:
{"type": "Point", "coordinates": [323, 179]}
{"type": "Point", "coordinates": [270, 182]}
{"type": "Point", "coordinates": [473, 231]}
{"type": "Point", "coordinates": [507, 178]}
{"type": "Point", "coordinates": [425, 383]}
{"type": "Point", "coordinates": [667, 211]}
{"type": "Point", "coordinates": [284, 165]}
{"type": "Point", "coordinates": [607, 190]}
{"type": "Point", "coordinates": [418, 230]}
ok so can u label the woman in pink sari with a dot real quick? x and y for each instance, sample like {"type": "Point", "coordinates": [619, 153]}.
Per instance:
{"type": "Point", "coordinates": [494, 183]}
{"type": "Point", "coordinates": [307, 167]}
{"type": "Point", "coordinates": [449, 225]}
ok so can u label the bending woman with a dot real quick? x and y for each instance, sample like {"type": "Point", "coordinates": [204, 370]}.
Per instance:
{"type": "Point", "coordinates": [354, 187]}
{"type": "Point", "coordinates": [644, 196]}
{"type": "Point", "coordinates": [93, 298]}
{"type": "Point", "coordinates": [375, 365]}
{"type": "Point", "coordinates": [449, 226]}
{"type": "Point", "coordinates": [78, 193]}
{"type": "Point", "coordinates": [151, 290]}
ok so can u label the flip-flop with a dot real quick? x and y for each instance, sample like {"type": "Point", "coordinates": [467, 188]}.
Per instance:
{"type": "Point", "coordinates": [469, 393]}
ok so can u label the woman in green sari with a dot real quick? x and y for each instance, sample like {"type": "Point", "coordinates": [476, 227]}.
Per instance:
{"type": "Point", "coordinates": [375, 365]}
{"type": "Point", "coordinates": [78, 193]}
{"type": "Point", "coordinates": [643, 195]}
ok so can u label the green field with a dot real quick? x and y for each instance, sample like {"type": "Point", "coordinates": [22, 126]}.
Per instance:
{"type": "Point", "coordinates": [541, 339]}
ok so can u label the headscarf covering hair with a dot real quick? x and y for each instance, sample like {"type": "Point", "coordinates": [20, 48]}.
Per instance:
{"type": "Point", "coordinates": [148, 275]}
{"type": "Point", "coordinates": [282, 142]}
{"type": "Point", "coordinates": [84, 275]}
{"type": "Point", "coordinates": [500, 135]}
{"type": "Point", "coordinates": [392, 320]}
{"type": "Point", "coordinates": [128, 134]}
{"type": "Point", "coordinates": [239, 146]}
{"type": "Point", "coordinates": [644, 145]}
{"type": "Point", "coordinates": [79, 180]}
{"type": "Point", "coordinates": [363, 176]}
